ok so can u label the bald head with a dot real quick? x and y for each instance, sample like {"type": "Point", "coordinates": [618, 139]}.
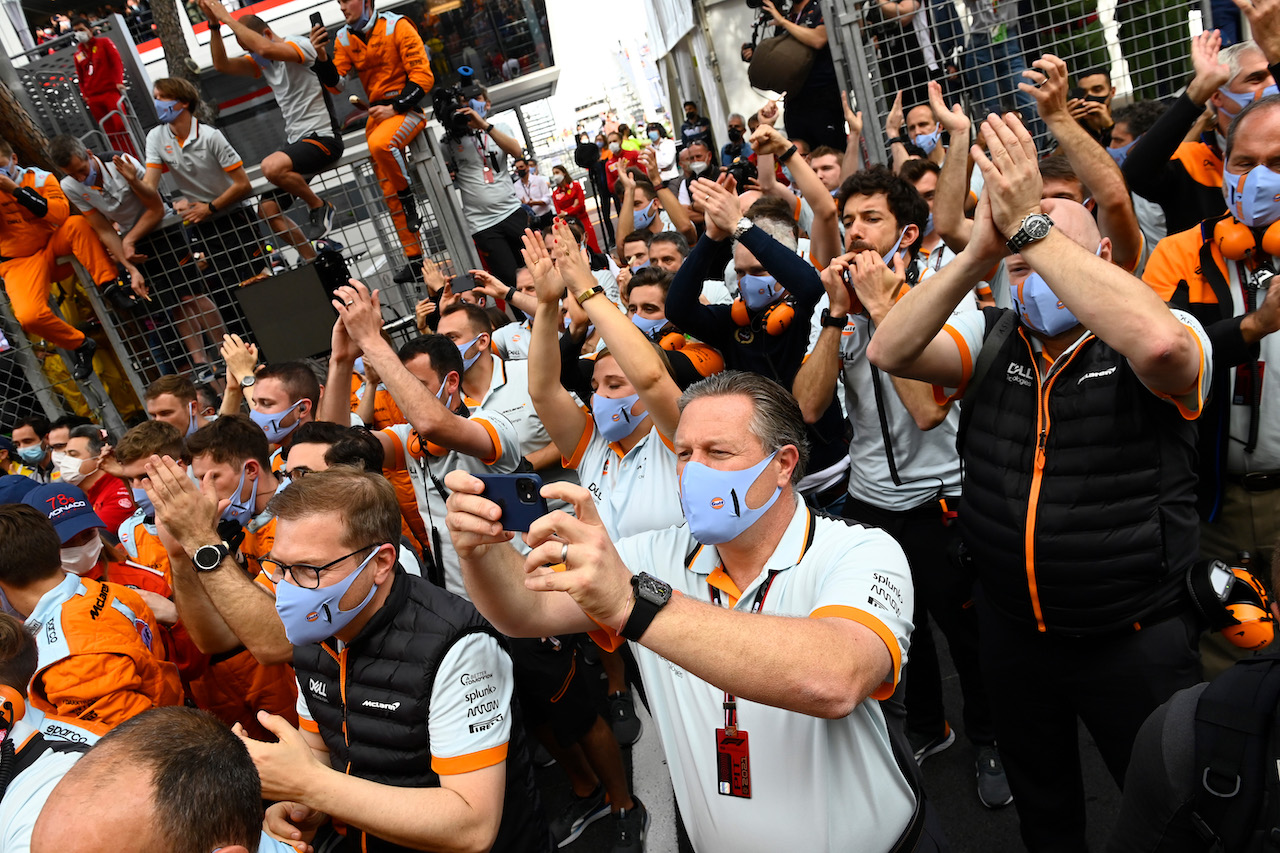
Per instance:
{"type": "Point", "coordinates": [1076, 222]}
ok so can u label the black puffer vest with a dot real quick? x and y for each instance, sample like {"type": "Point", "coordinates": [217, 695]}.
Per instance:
{"type": "Point", "coordinates": [1096, 472]}
{"type": "Point", "coordinates": [371, 702]}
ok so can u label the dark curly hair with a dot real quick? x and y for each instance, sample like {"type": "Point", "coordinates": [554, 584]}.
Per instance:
{"type": "Point", "coordinates": [906, 205]}
{"type": "Point", "coordinates": [1138, 116]}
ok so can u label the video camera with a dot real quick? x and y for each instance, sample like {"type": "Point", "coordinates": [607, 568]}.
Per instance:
{"type": "Point", "coordinates": [743, 172]}
{"type": "Point", "coordinates": [449, 103]}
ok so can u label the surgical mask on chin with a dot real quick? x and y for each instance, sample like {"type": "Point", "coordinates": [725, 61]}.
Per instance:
{"type": "Point", "coordinates": [270, 423]}
{"type": "Point", "coordinates": [699, 166]}
{"type": "Point", "coordinates": [365, 22]}
{"type": "Point", "coordinates": [462, 349]}
{"type": "Point", "coordinates": [928, 141]}
{"type": "Point", "coordinates": [1254, 197]}
{"type": "Point", "coordinates": [69, 468]}
{"type": "Point", "coordinates": [643, 219]}
{"type": "Point", "coordinates": [649, 327]}
{"type": "Point", "coordinates": [240, 509]}
{"type": "Point", "coordinates": [1122, 153]}
{"type": "Point", "coordinates": [32, 455]}
{"type": "Point", "coordinates": [167, 111]}
{"type": "Point", "coordinates": [142, 502]}
{"type": "Point", "coordinates": [81, 559]}
{"type": "Point", "coordinates": [888, 259]}
{"type": "Point", "coordinates": [614, 417]}
{"type": "Point", "coordinates": [759, 291]}
{"type": "Point", "coordinates": [313, 615]}
{"type": "Point", "coordinates": [715, 502]}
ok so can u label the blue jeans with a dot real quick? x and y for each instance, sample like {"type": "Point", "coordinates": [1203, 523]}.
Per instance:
{"type": "Point", "coordinates": [999, 67]}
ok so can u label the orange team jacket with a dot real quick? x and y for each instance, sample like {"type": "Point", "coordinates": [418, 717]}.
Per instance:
{"type": "Point", "coordinates": [392, 56]}
{"type": "Point", "coordinates": [98, 663]}
{"type": "Point", "coordinates": [22, 233]}
{"type": "Point", "coordinates": [232, 686]}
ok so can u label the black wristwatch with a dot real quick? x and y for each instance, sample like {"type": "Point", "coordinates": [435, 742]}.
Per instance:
{"type": "Point", "coordinates": [207, 558]}
{"type": "Point", "coordinates": [901, 137]}
{"type": "Point", "coordinates": [833, 322]}
{"type": "Point", "coordinates": [212, 208]}
{"type": "Point", "coordinates": [1035, 226]}
{"type": "Point", "coordinates": [651, 596]}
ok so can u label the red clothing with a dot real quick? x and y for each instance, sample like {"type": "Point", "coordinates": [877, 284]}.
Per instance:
{"type": "Point", "coordinates": [572, 201]}
{"type": "Point", "coordinates": [99, 68]}
{"type": "Point", "coordinates": [111, 500]}
{"type": "Point", "coordinates": [623, 159]}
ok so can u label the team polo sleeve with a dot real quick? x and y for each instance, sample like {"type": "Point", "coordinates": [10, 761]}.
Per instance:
{"type": "Point", "coordinates": [507, 452]}
{"type": "Point", "coordinates": [1191, 402]}
{"type": "Point", "coordinates": [306, 50]}
{"type": "Point", "coordinates": [967, 330]}
{"type": "Point", "coordinates": [869, 582]}
{"type": "Point", "coordinates": [470, 717]}
{"type": "Point", "coordinates": [228, 158]}
{"type": "Point", "coordinates": [154, 150]}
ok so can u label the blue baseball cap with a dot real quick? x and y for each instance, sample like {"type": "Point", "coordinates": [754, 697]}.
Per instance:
{"type": "Point", "coordinates": [6, 443]}
{"type": "Point", "coordinates": [67, 507]}
{"type": "Point", "coordinates": [14, 487]}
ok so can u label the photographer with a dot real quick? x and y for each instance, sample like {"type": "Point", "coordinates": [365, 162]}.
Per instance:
{"type": "Point", "coordinates": [478, 152]}
{"type": "Point", "coordinates": [813, 112]}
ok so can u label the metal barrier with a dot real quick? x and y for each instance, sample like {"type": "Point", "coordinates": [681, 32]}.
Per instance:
{"type": "Point", "coordinates": [194, 271]}
{"type": "Point", "coordinates": [977, 50]}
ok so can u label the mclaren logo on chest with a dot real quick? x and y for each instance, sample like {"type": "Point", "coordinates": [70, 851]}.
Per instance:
{"type": "Point", "coordinates": [1097, 374]}
{"type": "Point", "coordinates": [382, 706]}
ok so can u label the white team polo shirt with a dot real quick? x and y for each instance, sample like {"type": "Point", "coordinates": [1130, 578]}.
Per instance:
{"type": "Point", "coordinates": [200, 164]}
{"type": "Point", "coordinates": [512, 341]}
{"type": "Point", "coordinates": [298, 92]}
{"type": "Point", "coordinates": [428, 465]}
{"type": "Point", "coordinates": [114, 199]}
{"type": "Point", "coordinates": [818, 785]}
{"type": "Point", "coordinates": [508, 395]}
{"type": "Point", "coordinates": [636, 491]}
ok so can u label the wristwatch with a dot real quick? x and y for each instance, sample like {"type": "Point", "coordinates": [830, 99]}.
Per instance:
{"type": "Point", "coordinates": [588, 293]}
{"type": "Point", "coordinates": [833, 322]}
{"type": "Point", "coordinates": [212, 207]}
{"type": "Point", "coordinates": [901, 137]}
{"type": "Point", "coordinates": [248, 382]}
{"type": "Point", "coordinates": [207, 558]}
{"type": "Point", "coordinates": [651, 596]}
{"type": "Point", "coordinates": [1035, 226]}
{"type": "Point", "coordinates": [744, 225]}
{"type": "Point", "coordinates": [788, 154]}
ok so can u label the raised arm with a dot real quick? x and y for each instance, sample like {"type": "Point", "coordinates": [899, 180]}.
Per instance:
{"type": "Point", "coordinates": [634, 352]}
{"type": "Point", "coordinates": [1115, 306]}
{"type": "Point", "coordinates": [825, 233]}
{"type": "Point", "coordinates": [953, 181]}
{"type": "Point", "coordinates": [893, 123]}
{"type": "Point", "coordinates": [853, 145]}
{"type": "Point", "coordinates": [815, 384]}
{"type": "Point", "coordinates": [815, 37]}
{"type": "Point", "coordinates": [361, 314]}
{"type": "Point", "coordinates": [559, 412]}
{"type": "Point", "coordinates": [1090, 161]}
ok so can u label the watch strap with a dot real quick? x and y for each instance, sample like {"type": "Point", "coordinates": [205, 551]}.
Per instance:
{"type": "Point", "coordinates": [643, 611]}
{"type": "Point", "coordinates": [588, 293]}
{"type": "Point", "coordinates": [222, 551]}
{"type": "Point", "coordinates": [830, 321]}
{"type": "Point", "coordinates": [212, 207]}
{"type": "Point", "coordinates": [787, 155]}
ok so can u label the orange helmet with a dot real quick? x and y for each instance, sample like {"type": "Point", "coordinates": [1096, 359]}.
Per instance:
{"type": "Point", "coordinates": [1234, 603]}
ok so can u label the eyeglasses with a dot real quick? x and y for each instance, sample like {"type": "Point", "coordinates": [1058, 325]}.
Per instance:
{"type": "Point", "coordinates": [296, 474]}
{"type": "Point", "coordinates": [308, 577]}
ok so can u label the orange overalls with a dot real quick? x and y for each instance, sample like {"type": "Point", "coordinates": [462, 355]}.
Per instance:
{"type": "Point", "coordinates": [31, 241]}
{"type": "Point", "coordinates": [387, 61]}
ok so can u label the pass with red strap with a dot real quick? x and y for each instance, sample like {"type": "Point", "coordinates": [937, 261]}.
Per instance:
{"type": "Point", "coordinates": [733, 766]}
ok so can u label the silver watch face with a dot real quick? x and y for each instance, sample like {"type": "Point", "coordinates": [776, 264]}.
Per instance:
{"type": "Point", "coordinates": [1037, 226]}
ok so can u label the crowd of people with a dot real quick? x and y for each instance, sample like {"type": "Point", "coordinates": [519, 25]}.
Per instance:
{"type": "Point", "coordinates": [809, 408]}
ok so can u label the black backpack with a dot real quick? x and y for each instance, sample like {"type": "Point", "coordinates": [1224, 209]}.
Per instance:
{"type": "Point", "coordinates": [1237, 749]}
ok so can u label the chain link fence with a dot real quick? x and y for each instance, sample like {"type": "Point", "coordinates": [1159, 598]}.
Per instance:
{"type": "Point", "coordinates": [978, 49]}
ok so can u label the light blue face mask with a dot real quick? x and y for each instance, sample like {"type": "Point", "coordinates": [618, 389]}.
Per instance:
{"type": "Point", "coordinates": [32, 455]}
{"type": "Point", "coordinates": [1254, 197]}
{"type": "Point", "coordinates": [654, 136]}
{"type": "Point", "coordinates": [143, 502]}
{"type": "Point", "coordinates": [241, 509]}
{"type": "Point", "coordinates": [928, 227]}
{"type": "Point", "coordinates": [1040, 308]}
{"type": "Point", "coordinates": [270, 423]}
{"type": "Point", "coordinates": [928, 141]}
{"type": "Point", "coordinates": [614, 417]}
{"type": "Point", "coordinates": [314, 615]}
{"type": "Point", "coordinates": [10, 170]}
{"type": "Point", "coordinates": [759, 291]}
{"type": "Point", "coordinates": [1242, 101]}
{"type": "Point", "coordinates": [167, 111]}
{"type": "Point", "coordinates": [888, 259]}
{"type": "Point", "coordinates": [262, 61]}
{"type": "Point", "coordinates": [479, 106]}
{"type": "Point", "coordinates": [715, 501]}
{"type": "Point", "coordinates": [1122, 153]}
{"type": "Point", "coordinates": [462, 349]}
{"type": "Point", "coordinates": [91, 178]}
{"type": "Point", "coordinates": [192, 424]}
{"type": "Point", "coordinates": [365, 21]}
{"type": "Point", "coordinates": [643, 219]}
{"type": "Point", "coordinates": [649, 327]}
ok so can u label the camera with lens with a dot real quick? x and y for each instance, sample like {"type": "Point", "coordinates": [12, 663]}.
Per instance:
{"type": "Point", "coordinates": [743, 171]}
{"type": "Point", "coordinates": [450, 102]}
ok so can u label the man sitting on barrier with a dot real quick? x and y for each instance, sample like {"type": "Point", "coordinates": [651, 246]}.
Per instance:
{"type": "Point", "coordinates": [36, 228]}
{"type": "Point", "coordinates": [313, 143]}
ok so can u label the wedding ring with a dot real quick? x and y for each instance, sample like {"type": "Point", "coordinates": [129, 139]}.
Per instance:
{"type": "Point", "coordinates": [564, 553]}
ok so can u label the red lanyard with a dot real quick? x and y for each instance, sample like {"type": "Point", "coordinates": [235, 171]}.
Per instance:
{"type": "Point", "coordinates": [730, 701]}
